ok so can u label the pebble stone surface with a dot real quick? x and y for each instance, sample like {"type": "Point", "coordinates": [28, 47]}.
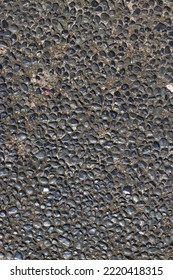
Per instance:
{"type": "Point", "coordinates": [86, 129]}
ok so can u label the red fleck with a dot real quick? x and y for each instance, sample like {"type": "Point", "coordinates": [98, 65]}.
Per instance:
{"type": "Point", "coordinates": [47, 91]}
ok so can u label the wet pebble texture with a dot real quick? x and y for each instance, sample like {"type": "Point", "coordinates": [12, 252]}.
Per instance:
{"type": "Point", "coordinates": [86, 138]}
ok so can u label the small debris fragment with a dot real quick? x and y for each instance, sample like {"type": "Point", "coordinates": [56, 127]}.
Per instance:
{"type": "Point", "coordinates": [170, 87]}
{"type": "Point", "coordinates": [47, 92]}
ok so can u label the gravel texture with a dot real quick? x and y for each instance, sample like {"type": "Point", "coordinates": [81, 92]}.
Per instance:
{"type": "Point", "coordinates": [86, 135]}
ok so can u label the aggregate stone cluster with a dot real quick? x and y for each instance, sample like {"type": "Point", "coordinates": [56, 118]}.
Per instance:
{"type": "Point", "coordinates": [86, 136]}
